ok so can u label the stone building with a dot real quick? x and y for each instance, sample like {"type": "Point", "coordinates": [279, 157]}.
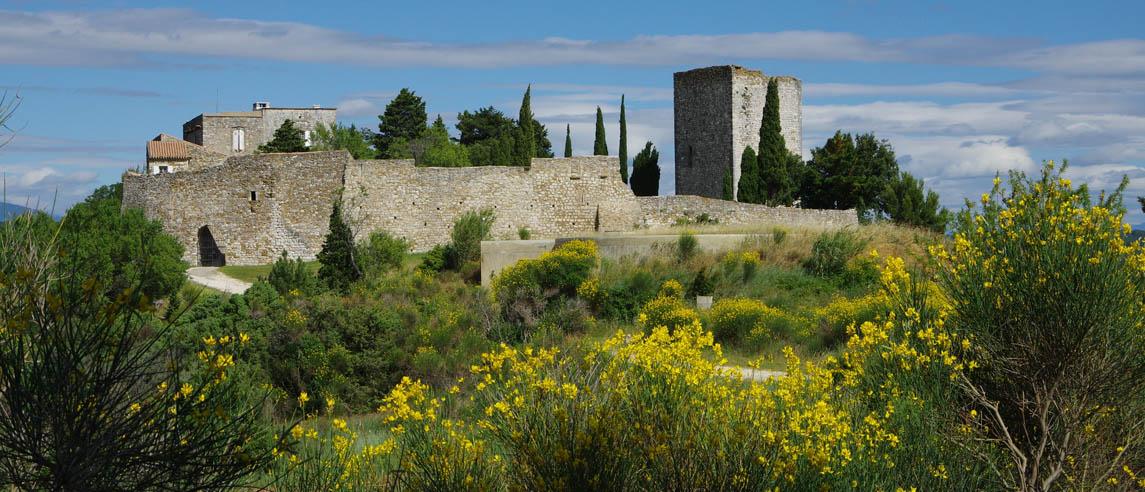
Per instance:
{"type": "Point", "coordinates": [241, 132]}
{"type": "Point", "coordinates": [718, 111]}
{"type": "Point", "coordinates": [167, 154]}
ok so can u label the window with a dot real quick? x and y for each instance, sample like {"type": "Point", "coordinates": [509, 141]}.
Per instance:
{"type": "Point", "coordinates": [306, 136]}
{"type": "Point", "coordinates": [238, 140]}
{"type": "Point", "coordinates": [163, 169]}
{"type": "Point", "coordinates": [253, 196]}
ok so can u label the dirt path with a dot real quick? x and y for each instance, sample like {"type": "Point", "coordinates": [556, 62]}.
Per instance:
{"type": "Point", "coordinates": [213, 278]}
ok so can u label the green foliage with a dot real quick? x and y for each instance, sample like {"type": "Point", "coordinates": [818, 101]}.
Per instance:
{"type": "Point", "coordinates": [468, 231]}
{"type": "Point", "coordinates": [778, 234]}
{"type": "Point", "coordinates": [339, 136]}
{"type": "Point", "coordinates": [831, 252]}
{"type": "Point", "coordinates": [483, 124]}
{"type": "Point", "coordinates": [381, 253]}
{"type": "Point", "coordinates": [624, 148]}
{"type": "Point", "coordinates": [525, 148]}
{"type": "Point", "coordinates": [748, 191]}
{"type": "Point", "coordinates": [287, 138]}
{"type": "Point", "coordinates": [525, 290]}
{"type": "Point", "coordinates": [701, 285]}
{"type": "Point", "coordinates": [493, 151]}
{"type": "Point", "coordinates": [775, 184]}
{"type": "Point", "coordinates": [1043, 282]}
{"type": "Point", "coordinates": [404, 120]}
{"type": "Point", "coordinates": [600, 143]}
{"type": "Point", "coordinates": [568, 142]}
{"type": "Point", "coordinates": [728, 190]}
{"type": "Point", "coordinates": [437, 150]}
{"type": "Point", "coordinates": [117, 249]}
{"type": "Point", "coordinates": [492, 138]}
{"type": "Point", "coordinates": [848, 173]}
{"type": "Point", "coordinates": [903, 201]}
{"type": "Point", "coordinates": [646, 171]}
{"type": "Point", "coordinates": [339, 266]}
{"type": "Point", "coordinates": [523, 233]}
{"type": "Point", "coordinates": [436, 259]}
{"type": "Point", "coordinates": [286, 275]}
{"type": "Point", "coordinates": [686, 246]}
{"type": "Point", "coordinates": [91, 395]}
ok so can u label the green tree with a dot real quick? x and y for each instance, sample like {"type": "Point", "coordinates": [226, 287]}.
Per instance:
{"type": "Point", "coordinates": [748, 191]}
{"type": "Point", "coordinates": [904, 202]}
{"type": "Point", "coordinates": [468, 231]}
{"type": "Point", "coordinates": [849, 173]}
{"type": "Point", "coordinates": [120, 248]}
{"type": "Point", "coordinates": [728, 192]}
{"type": "Point", "coordinates": [339, 266]}
{"type": "Point", "coordinates": [435, 148]}
{"type": "Point", "coordinates": [382, 252]}
{"type": "Point", "coordinates": [624, 144]}
{"type": "Point", "coordinates": [776, 187]}
{"type": "Point", "coordinates": [646, 171]}
{"type": "Point", "coordinates": [483, 124]}
{"type": "Point", "coordinates": [287, 138]}
{"type": "Point", "coordinates": [403, 120]}
{"type": "Point", "coordinates": [493, 151]}
{"type": "Point", "coordinates": [491, 137]}
{"type": "Point", "coordinates": [541, 144]}
{"type": "Point", "coordinates": [568, 144]}
{"type": "Point", "coordinates": [339, 136]}
{"type": "Point", "coordinates": [600, 145]}
{"type": "Point", "coordinates": [525, 149]}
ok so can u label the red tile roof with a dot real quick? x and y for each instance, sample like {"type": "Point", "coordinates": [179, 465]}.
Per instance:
{"type": "Point", "coordinates": [167, 151]}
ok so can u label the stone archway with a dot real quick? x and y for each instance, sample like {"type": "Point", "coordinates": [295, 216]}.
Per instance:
{"type": "Point", "coordinates": [209, 253]}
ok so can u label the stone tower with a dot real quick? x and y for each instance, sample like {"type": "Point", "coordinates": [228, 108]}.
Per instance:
{"type": "Point", "coordinates": [718, 111]}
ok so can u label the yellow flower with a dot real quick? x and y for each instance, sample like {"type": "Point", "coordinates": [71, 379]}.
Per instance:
{"type": "Point", "coordinates": [303, 398]}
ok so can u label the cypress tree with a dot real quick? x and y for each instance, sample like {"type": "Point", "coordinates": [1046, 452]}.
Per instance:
{"type": "Point", "coordinates": [775, 182]}
{"type": "Point", "coordinates": [728, 191]}
{"type": "Point", "coordinates": [748, 177]}
{"type": "Point", "coordinates": [600, 145]}
{"type": "Point", "coordinates": [526, 146]}
{"type": "Point", "coordinates": [568, 141]}
{"type": "Point", "coordinates": [623, 144]}
{"type": "Point", "coordinates": [646, 171]}
{"type": "Point", "coordinates": [339, 268]}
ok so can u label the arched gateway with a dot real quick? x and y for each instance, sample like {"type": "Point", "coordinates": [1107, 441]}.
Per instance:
{"type": "Point", "coordinates": [209, 254]}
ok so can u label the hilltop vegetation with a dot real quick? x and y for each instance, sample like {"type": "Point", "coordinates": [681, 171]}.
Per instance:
{"type": "Point", "coordinates": [911, 360]}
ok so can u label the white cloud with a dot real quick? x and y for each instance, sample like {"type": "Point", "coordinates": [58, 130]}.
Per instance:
{"type": "Point", "coordinates": [357, 108]}
{"type": "Point", "coordinates": [940, 89]}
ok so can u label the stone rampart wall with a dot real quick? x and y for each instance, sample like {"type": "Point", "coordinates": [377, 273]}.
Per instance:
{"type": "Point", "coordinates": [289, 209]}
{"type": "Point", "coordinates": [553, 197]}
{"type": "Point", "coordinates": [663, 211]}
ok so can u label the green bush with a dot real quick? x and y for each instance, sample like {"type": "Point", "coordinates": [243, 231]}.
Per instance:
{"type": "Point", "coordinates": [686, 246]}
{"type": "Point", "coordinates": [286, 275]}
{"type": "Point", "coordinates": [701, 285]}
{"type": "Point", "coordinates": [524, 233]}
{"type": "Point", "coordinates": [523, 290]}
{"type": "Point", "coordinates": [382, 253]}
{"type": "Point", "coordinates": [831, 252]}
{"type": "Point", "coordinates": [778, 234]}
{"type": "Point", "coordinates": [468, 231]}
{"type": "Point", "coordinates": [436, 259]}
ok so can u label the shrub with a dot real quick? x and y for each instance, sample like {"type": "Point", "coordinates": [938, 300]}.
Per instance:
{"type": "Point", "coordinates": [623, 300]}
{"type": "Point", "coordinates": [830, 253]}
{"type": "Point", "coordinates": [671, 288]}
{"type": "Point", "coordinates": [701, 285]}
{"type": "Point", "coordinates": [527, 286]}
{"type": "Point", "coordinates": [1042, 279]}
{"type": "Point", "coordinates": [751, 261]}
{"type": "Point", "coordinates": [733, 320]}
{"type": "Point", "coordinates": [778, 234]}
{"type": "Point", "coordinates": [339, 266]}
{"type": "Point", "coordinates": [286, 275]}
{"type": "Point", "coordinates": [468, 231]}
{"type": "Point", "coordinates": [436, 259]}
{"type": "Point", "coordinates": [524, 234]}
{"type": "Point", "coordinates": [666, 311]}
{"type": "Point", "coordinates": [686, 246]}
{"type": "Point", "coordinates": [382, 252]}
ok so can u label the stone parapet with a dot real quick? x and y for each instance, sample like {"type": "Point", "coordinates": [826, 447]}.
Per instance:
{"type": "Point", "coordinates": [664, 211]}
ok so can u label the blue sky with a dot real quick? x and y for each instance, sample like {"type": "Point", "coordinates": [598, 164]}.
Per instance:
{"type": "Point", "coordinates": [960, 89]}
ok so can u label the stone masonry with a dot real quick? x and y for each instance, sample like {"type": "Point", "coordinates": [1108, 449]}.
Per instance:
{"type": "Point", "coordinates": [718, 111]}
{"type": "Point", "coordinates": [241, 132]}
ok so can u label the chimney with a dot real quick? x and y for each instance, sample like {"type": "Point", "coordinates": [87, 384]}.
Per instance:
{"type": "Point", "coordinates": [261, 105]}
{"type": "Point", "coordinates": [317, 106]}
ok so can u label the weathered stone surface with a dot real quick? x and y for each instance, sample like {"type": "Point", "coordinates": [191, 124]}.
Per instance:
{"type": "Point", "coordinates": [215, 131]}
{"type": "Point", "coordinates": [662, 211]}
{"type": "Point", "coordinates": [718, 111]}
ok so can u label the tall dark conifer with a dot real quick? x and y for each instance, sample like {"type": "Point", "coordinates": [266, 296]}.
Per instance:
{"type": "Point", "coordinates": [728, 191]}
{"type": "Point", "coordinates": [339, 268]}
{"type": "Point", "coordinates": [600, 145]}
{"type": "Point", "coordinates": [775, 182]}
{"type": "Point", "coordinates": [623, 144]}
{"type": "Point", "coordinates": [568, 141]}
{"type": "Point", "coordinates": [748, 191]}
{"type": "Point", "coordinates": [646, 171]}
{"type": "Point", "coordinates": [526, 145]}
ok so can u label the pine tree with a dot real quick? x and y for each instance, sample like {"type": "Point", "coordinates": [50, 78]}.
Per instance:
{"type": "Point", "coordinates": [600, 145]}
{"type": "Point", "coordinates": [623, 144]}
{"type": "Point", "coordinates": [287, 138]}
{"type": "Point", "coordinates": [776, 187]}
{"type": "Point", "coordinates": [525, 149]}
{"type": "Point", "coordinates": [748, 177]}
{"type": "Point", "coordinates": [339, 268]}
{"type": "Point", "coordinates": [646, 171]}
{"type": "Point", "coordinates": [403, 121]}
{"type": "Point", "coordinates": [729, 188]}
{"type": "Point", "coordinates": [568, 141]}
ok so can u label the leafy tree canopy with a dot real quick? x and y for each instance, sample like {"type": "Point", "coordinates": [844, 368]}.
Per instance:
{"type": "Point", "coordinates": [436, 149]}
{"type": "Point", "coordinates": [339, 136]}
{"type": "Point", "coordinates": [849, 172]}
{"type": "Point", "coordinates": [646, 171]}
{"type": "Point", "coordinates": [403, 120]}
{"type": "Point", "coordinates": [905, 202]}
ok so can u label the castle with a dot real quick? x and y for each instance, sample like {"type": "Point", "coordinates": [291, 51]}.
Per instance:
{"type": "Point", "coordinates": [226, 205]}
